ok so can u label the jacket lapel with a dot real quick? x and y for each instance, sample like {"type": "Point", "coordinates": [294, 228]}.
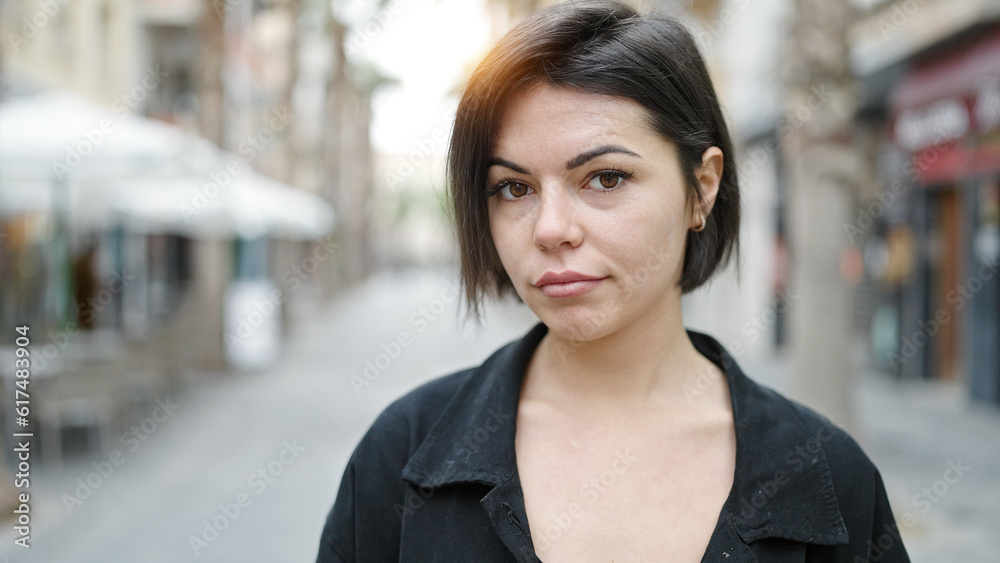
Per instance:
{"type": "Point", "coordinates": [782, 488]}
{"type": "Point", "coordinates": [472, 440]}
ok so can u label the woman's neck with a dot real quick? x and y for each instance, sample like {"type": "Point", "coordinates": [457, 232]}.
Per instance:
{"type": "Point", "coordinates": [650, 362]}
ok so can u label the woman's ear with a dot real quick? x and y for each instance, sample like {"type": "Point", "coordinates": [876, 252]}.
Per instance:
{"type": "Point", "coordinates": [709, 175]}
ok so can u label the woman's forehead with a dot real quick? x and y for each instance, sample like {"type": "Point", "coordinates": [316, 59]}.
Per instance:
{"type": "Point", "coordinates": [545, 103]}
{"type": "Point", "coordinates": [560, 120]}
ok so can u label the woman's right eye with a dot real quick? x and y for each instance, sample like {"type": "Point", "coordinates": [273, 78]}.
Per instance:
{"type": "Point", "coordinates": [513, 190]}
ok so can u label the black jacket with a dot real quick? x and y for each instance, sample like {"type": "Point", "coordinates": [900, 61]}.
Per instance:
{"type": "Point", "coordinates": [435, 478]}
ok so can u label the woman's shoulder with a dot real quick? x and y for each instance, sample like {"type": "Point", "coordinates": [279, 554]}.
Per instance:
{"type": "Point", "coordinates": [364, 523]}
{"type": "Point", "coordinates": [807, 442]}
{"type": "Point", "coordinates": [468, 390]}
{"type": "Point", "coordinates": [802, 477]}
{"type": "Point", "coordinates": [826, 430]}
{"type": "Point", "coordinates": [412, 415]}
{"type": "Point", "coordinates": [803, 433]}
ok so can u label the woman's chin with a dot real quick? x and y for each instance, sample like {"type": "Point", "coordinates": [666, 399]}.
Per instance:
{"type": "Point", "coordinates": [578, 325]}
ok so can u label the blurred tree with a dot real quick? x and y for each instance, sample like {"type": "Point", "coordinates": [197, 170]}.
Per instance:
{"type": "Point", "coordinates": [290, 145]}
{"type": "Point", "coordinates": [346, 131]}
{"type": "Point", "coordinates": [347, 150]}
{"type": "Point", "coordinates": [824, 166]}
{"type": "Point", "coordinates": [211, 58]}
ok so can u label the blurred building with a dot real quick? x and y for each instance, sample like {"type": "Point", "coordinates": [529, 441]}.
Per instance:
{"type": "Point", "coordinates": [931, 80]}
{"type": "Point", "coordinates": [133, 307]}
{"type": "Point", "coordinates": [923, 238]}
{"type": "Point", "coordinates": [87, 46]}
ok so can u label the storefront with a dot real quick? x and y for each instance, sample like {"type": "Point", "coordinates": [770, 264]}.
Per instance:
{"type": "Point", "coordinates": [945, 117]}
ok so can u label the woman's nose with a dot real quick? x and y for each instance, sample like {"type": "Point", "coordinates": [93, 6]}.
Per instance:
{"type": "Point", "coordinates": [556, 222]}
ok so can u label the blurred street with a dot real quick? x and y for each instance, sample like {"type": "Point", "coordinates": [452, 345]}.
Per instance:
{"type": "Point", "coordinates": [277, 441]}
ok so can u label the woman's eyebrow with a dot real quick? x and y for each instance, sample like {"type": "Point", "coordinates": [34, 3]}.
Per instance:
{"type": "Point", "coordinates": [582, 158]}
{"type": "Point", "coordinates": [575, 162]}
{"type": "Point", "coordinates": [497, 161]}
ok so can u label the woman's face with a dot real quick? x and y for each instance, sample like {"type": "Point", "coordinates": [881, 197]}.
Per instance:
{"type": "Point", "coordinates": [581, 184]}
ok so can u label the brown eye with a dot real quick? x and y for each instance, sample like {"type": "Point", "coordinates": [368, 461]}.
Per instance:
{"type": "Point", "coordinates": [512, 189]}
{"type": "Point", "coordinates": [609, 180]}
{"type": "Point", "coordinates": [518, 190]}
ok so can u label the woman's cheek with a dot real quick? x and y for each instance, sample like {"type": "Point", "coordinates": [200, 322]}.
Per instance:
{"type": "Point", "coordinates": [509, 262]}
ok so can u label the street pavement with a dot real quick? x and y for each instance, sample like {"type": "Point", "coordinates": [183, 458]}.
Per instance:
{"type": "Point", "coordinates": [244, 466]}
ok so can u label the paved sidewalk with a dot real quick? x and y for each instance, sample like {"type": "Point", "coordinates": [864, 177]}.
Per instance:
{"type": "Point", "coordinates": [276, 443]}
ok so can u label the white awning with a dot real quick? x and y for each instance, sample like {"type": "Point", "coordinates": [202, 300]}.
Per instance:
{"type": "Point", "coordinates": [113, 166]}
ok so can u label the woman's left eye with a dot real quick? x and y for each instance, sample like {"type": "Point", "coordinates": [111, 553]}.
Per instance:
{"type": "Point", "coordinates": [608, 180]}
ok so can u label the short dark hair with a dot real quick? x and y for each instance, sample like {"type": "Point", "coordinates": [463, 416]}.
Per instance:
{"type": "Point", "coordinates": [597, 47]}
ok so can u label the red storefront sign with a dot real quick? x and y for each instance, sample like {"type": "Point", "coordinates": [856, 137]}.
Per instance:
{"type": "Point", "coordinates": [946, 113]}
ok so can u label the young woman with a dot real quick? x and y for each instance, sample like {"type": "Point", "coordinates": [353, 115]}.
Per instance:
{"type": "Point", "coordinates": [592, 176]}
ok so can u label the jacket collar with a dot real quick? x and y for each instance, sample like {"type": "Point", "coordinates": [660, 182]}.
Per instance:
{"type": "Point", "coordinates": [473, 438]}
{"type": "Point", "coordinates": [783, 487]}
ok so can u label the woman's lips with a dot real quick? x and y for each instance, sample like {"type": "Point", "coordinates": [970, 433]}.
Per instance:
{"type": "Point", "coordinates": [570, 289]}
{"type": "Point", "coordinates": [567, 283]}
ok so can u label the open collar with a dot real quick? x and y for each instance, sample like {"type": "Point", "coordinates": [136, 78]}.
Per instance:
{"type": "Point", "coordinates": [473, 438]}
{"type": "Point", "coordinates": [782, 488]}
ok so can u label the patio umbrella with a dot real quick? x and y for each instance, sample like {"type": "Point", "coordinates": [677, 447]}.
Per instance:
{"type": "Point", "coordinates": [116, 166]}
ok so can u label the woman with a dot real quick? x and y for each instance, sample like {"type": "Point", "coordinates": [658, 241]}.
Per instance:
{"type": "Point", "coordinates": [592, 176]}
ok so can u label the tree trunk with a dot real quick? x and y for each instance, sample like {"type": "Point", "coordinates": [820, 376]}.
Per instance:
{"type": "Point", "coordinates": [212, 36]}
{"type": "Point", "coordinates": [823, 170]}
{"type": "Point", "coordinates": [211, 264]}
{"type": "Point", "coordinates": [290, 144]}
{"type": "Point", "coordinates": [336, 174]}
